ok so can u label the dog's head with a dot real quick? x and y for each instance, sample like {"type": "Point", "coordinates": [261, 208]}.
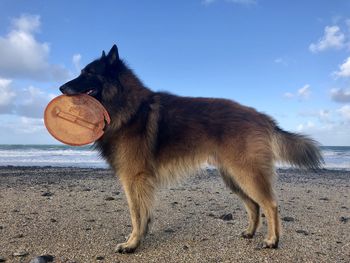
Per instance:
{"type": "Point", "coordinates": [94, 78]}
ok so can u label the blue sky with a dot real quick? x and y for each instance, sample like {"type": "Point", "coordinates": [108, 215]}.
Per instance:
{"type": "Point", "coordinates": [289, 59]}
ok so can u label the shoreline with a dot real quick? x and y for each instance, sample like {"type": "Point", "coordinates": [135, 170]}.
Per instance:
{"type": "Point", "coordinates": [80, 214]}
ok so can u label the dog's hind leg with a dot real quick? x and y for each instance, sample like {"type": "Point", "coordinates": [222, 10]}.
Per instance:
{"type": "Point", "coordinates": [139, 190]}
{"type": "Point", "coordinates": [256, 183]}
{"type": "Point", "coordinates": [251, 206]}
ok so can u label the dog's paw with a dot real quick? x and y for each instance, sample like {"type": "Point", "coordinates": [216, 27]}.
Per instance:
{"type": "Point", "coordinates": [270, 244]}
{"type": "Point", "coordinates": [246, 234]}
{"type": "Point", "coordinates": [125, 248]}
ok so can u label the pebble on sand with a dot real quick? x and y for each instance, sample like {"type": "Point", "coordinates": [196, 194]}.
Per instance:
{"type": "Point", "coordinates": [20, 254]}
{"type": "Point", "coordinates": [100, 258]}
{"type": "Point", "coordinates": [47, 194]}
{"type": "Point", "coordinates": [169, 230]}
{"type": "Point", "coordinates": [300, 231]}
{"type": "Point", "coordinates": [344, 219]}
{"type": "Point", "coordinates": [226, 217]}
{"type": "Point", "coordinates": [288, 219]}
{"type": "Point", "coordinates": [42, 259]}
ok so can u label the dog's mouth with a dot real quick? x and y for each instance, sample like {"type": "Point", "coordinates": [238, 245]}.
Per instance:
{"type": "Point", "coordinates": [91, 92]}
{"type": "Point", "coordinates": [69, 91]}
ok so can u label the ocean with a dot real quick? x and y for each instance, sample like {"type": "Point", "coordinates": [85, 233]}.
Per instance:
{"type": "Point", "coordinates": [336, 157]}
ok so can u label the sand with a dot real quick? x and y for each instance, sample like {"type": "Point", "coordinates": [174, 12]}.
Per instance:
{"type": "Point", "coordinates": [79, 215]}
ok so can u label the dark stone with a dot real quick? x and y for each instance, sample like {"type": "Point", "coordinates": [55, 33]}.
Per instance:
{"type": "Point", "coordinates": [2, 259]}
{"type": "Point", "coordinates": [47, 194]}
{"type": "Point", "coordinates": [344, 219]}
{"type": "Point", "coordinates": [53, 220]}
{"type": "Point", "coordinates": [169, 230]}
{"type": "Point", "coordinates": [42, 259]}
{"type": "Point", "coordinates": [226, 217]}
{"type": "Point", "coordinates": [324, 199]}
{"type": "Point", "coordinates": [100, 258]}
{"type": "Point", "coordinates": [288, 219]}
{"type": "Point", "coordinates": [304, 232]}
{"type": "Point", "coordinates": [109, 198]}
{"type": "Point", "coordinates": [185, 247]}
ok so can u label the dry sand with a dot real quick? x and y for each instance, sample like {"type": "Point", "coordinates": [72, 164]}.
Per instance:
{"type": "Point", "coordinates": [79, 215]}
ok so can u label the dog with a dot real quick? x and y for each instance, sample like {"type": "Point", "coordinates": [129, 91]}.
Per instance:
{"type": "Point", "coordinates": [155, 138]}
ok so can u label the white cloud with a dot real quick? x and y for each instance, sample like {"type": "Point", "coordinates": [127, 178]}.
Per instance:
{"type": "Point", "coordinates": [23, 56]}
{"type": "Point", "coordinates": [327, 133]}
{"type": "Point", "coordinates": [333, 38]}
{"type": "Point", "coordinates": [282, 61]}
{"type": "Point", "coordinates": [33, 102]}
{"type": "Point", "coordinates": [305, 126]}
{"type": "Point", "coordinates": [304, 92]}
{"type": "Point", "coordinates": [330, 127]}
{"type": "Point", "coordinates": [345, 112]}
{"type": "Point", "coordinates": [6, 92]}
{"type": "Point", "coordinates": [288, 95]}
{"type": "Point", "coordinates": [340, 95]}
{"type": "Point", "coordinates": [323, 115]}
{"type": "Point", "coordinates": [240, 2]}
{"type": "Point", "coordinates": [344, 69]}
{"type": "Point", "coordinates": [23, 125]}
{"type": "Point", "coordinates": [7, 95]}
{"type": "Point", "coordinates": [76, 62]}
{"type": "Point", "coordinates": [31, 125]}
{"type": "Point", "coordinates": [28, 102]}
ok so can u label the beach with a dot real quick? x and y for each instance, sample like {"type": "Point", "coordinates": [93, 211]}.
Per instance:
{"type": "Point", "coordinates": [80, 214]}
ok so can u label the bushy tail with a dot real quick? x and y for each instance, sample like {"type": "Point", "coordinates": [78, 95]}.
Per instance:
{"type": "Point", "coordinates": [297, 150]}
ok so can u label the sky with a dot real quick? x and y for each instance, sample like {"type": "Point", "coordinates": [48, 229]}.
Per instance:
{"type": "Point", "coordinates": [288, 59]}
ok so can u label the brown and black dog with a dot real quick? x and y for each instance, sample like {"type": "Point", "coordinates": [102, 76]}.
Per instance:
{"type": "Point", "coordinates": [155, 138]}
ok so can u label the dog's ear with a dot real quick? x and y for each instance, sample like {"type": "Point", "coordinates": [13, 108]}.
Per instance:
{"type": "Point", "coordinates": [113, 55]}
{"type": "Point", "coordinates": [103, 54]}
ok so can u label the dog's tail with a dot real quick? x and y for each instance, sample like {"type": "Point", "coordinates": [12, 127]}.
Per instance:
{"type": "Point", "coordinates": [296, 149]}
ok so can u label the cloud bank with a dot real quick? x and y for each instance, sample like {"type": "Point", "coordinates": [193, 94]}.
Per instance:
{"type": "Point", "coordinates": [333, 38]}
{"type": "Point", "coordinates": [22, 56]}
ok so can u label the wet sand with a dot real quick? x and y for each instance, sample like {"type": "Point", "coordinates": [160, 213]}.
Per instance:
{"type": "Point", "coordinates": [79, 215]}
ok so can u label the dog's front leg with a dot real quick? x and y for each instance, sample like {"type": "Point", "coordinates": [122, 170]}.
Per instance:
{"type": "Point", "coordinates": [139, 190]}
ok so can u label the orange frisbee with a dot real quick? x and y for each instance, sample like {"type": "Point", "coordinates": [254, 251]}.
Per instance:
{"type": "Point", "coordinates": [75, 120]}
